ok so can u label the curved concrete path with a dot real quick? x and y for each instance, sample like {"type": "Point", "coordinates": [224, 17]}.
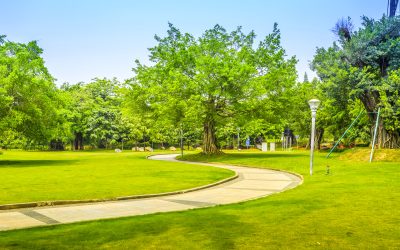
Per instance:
{"type": "Point", "coordinates": [252, 183]}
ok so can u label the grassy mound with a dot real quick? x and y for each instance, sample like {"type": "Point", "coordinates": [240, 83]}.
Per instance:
{"type": "Point", "coordinates": [363, 154]}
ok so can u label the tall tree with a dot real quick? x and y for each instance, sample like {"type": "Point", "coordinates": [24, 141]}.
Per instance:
{"type": "Point", "coordinates": [213, 78]}
{"type": "Point", "coordinates": [29, 101]}
{"type": "Point", "coordinates": [364, 65]}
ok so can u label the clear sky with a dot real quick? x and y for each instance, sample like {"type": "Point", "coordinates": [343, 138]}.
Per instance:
{"type": "Point", "coordinates": [83, 39]}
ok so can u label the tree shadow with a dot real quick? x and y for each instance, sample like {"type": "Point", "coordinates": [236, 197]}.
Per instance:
{"type": "Point", "coordinates": [206, 225]}
{"type": "Point", "coordinates": [34, 163]}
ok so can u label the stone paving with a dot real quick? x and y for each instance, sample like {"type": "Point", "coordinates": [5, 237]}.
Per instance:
{"type": "Point", "coordinates": [252, 183]}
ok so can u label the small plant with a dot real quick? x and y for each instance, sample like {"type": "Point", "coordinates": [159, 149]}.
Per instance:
{"type": "Point", "coordinates": [328, 170]}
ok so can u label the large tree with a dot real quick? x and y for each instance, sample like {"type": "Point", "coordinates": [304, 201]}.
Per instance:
{"type": "Point", "coordinates": [94, 113]}
{"type": "Point", "coordinates": [365, 65]}
{"type": "Point", "coordinates": [212, 79]}
{"type": "Point", "coordinates": [29, 102]}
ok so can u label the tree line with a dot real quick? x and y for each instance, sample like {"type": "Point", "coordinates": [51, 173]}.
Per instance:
{"type": "Point", "coordinates": [208, 89]}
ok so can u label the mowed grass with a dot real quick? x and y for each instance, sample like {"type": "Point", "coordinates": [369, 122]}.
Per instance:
{"type": "Point", "coordinates": [355, 206]}
{"type": "Point", "coordinates": [46, 176]}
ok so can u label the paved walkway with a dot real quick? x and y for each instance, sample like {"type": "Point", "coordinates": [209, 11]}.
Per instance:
{"type": "Point", "coordinates": [252, 183]}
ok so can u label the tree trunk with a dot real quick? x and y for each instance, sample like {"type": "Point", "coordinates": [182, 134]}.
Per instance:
{"type": "Point", "coordinates": [210, 145]}
{"type": "Point", "coordinates": [384, 138]}
{"type": "Point", "coordinates": [78, 141]}
{"type": "Point", "coordinates": [318, 137]}
{"type": "Point", "coordinates": [319, 134]}
{"type": "Point", "coordinates": [56, 145]}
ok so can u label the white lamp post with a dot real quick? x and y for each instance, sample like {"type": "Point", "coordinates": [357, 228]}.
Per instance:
{"type": "Point", "coordinates": [314, 103]}
{"type": "Point", "coordinates": [181, 141]}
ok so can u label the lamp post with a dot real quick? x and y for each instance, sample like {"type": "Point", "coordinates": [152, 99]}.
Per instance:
{"type": "Point", "coordinates": [314, 103]}
{"type": "Point", "coordinates": [181, 141]}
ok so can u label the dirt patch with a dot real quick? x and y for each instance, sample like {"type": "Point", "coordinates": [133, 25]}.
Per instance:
{"type": "Point", "coordinates": [388, 155]}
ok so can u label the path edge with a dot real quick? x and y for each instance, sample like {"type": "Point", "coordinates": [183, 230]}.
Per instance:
{"type": "Point", "coordinates": [301, 177]}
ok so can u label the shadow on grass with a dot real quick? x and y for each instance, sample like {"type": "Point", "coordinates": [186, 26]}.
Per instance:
{"type": "Point", "coordinates": [34, 163]}
{"type": "Point", "coordinates": [159, 231]}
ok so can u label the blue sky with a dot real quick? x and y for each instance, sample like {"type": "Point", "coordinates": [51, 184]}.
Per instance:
{"type": "Point", "coordinates": [83, 39]}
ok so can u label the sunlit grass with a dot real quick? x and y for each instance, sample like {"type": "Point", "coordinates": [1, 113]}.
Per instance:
{"type": "Point", "coordinates": [45, 176]}
{"type": "Point", "coordinates": [355, 206]}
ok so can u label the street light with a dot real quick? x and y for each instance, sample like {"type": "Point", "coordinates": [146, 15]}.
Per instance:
{"type": "Point", "coordinates": [314, 103]}
{"type": "Point", "coordinates": [181, 141]}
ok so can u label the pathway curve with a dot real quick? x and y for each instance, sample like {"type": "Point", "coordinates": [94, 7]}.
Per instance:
{"type": "Point", "coordinates": [252, 183]}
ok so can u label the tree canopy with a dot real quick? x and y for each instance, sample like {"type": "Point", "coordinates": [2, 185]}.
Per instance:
{"type": "Point", "coordinates": [216, 90]}
{"type": "Point", "coordinates": [213, 79]}
{"type": "Point", "coordinates": [364, 65]}
{"type": "Point", "coordinates": [29, 100]}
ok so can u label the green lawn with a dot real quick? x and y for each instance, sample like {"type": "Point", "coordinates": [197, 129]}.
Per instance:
{"type": "Point", "coordinates": [44, 176]}
{"type": "Point", "coordinates": [356, 206]}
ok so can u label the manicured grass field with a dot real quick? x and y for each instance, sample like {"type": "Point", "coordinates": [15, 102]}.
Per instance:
{"type": "Point", "coordinates": [355, 206]}
{"type": "Point", "coordinates": [45, 176]}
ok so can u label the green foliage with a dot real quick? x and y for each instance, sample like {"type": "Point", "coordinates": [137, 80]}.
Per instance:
{"type": "Point", "coordinates": [206, 82]}
{"type": "Point", "coordinates": [95, 111]}
{"type": "Point", "coordinates": [390, 98]}
{"type": "Point", "coordinates": [29, 101]}
{"type": "Point", "coordinates": [33, 111]}
{"type": "Point", "coordinates": [364, 66]}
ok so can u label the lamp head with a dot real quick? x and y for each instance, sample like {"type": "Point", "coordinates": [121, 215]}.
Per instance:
{"type": "Point", "coordinates": [314, 103]}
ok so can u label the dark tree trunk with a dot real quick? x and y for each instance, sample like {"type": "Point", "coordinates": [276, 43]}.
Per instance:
{"type": "Point", "coordinates": [78, 142]}
{"type": "Point", "coordinates": [210, 145]}
{"type": "Point", "coordinates": [384, 138]}
{"type": "Point", "coordinates": [56, 145]}
{"type": "Point", "coordinates": [319, 134]}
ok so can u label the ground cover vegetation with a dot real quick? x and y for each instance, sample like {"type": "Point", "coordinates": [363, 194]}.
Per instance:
{"type": "Point", "coordinates": [48, 176]}
{"type": "Point", "coordinates": [217, 90]}
{"type": "Point", "coordinates": [354, 206]}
